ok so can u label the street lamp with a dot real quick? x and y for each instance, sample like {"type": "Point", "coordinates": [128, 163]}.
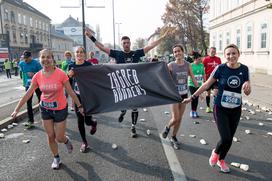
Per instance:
{"type": "Point", "coordinates": [118, 31]}
{"type": "Point", "coordinates": [113, 22]}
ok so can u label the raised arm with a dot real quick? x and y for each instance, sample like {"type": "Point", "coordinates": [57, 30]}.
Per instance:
{"type": "Point", "coordinates": [99, 45]}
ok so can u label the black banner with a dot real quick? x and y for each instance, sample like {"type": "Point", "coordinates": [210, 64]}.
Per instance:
{"type": "Point", "coordinates": [112, 87]}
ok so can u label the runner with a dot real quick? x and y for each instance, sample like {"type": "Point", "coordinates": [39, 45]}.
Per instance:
{"type": "Point", "coordinates": [126, 56]}
{"type": "Point", "coordinates": [180, 70]}
{"type": "Point", "coordinates": [198, 71]}
{"type": "Point", "coordinates": [53, 105]}
{"type": "Point", "coordinates": [232, 78]}
{"type": "Point", "coordinates": [210, 62]}
{"type": "Point", "coordinates": [80, 56]}
{"type": "Point", "coordinates": [29, 67]}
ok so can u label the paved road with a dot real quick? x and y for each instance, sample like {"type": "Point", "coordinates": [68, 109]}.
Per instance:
{"type": "Point", "coordinates": [145, 158]}
{"type": "Point", "coordinates": [11, 90]}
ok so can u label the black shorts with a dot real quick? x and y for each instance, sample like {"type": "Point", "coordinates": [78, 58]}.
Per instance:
{"type": "Point", "coordinates": [56, 115]}
{"type": "Point", "coordinates": [184, 96]}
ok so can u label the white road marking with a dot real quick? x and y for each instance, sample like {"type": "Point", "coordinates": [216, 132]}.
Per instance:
{"type": "Point", "coordinates": [3, 105]}
{"type": "Point", "coordinates": [176, 169]}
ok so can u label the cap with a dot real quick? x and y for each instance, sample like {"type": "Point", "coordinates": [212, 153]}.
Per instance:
{"type": "Point", "coordinates": [26, 54]}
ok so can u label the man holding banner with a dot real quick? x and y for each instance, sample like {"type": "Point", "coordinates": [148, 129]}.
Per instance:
{"type": "Point", "coordinates": [126, 56]}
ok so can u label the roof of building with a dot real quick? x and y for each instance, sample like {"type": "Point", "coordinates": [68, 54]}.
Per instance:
{"type": "Point", "coordinates": [71, 22]}
{"type": "Point", "coordinates": [60, 35]}
{"type": "Point", "coordinates": [20, 3]}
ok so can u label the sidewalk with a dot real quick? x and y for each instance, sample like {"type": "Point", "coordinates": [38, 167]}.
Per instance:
{"type": "Point", "coordinates": [261, 90]}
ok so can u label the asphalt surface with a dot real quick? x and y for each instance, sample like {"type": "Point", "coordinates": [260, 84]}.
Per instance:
{"type": "Point", "coordinates": [146, 157]}
{"type": "Point", "coordinates": [142, 158]}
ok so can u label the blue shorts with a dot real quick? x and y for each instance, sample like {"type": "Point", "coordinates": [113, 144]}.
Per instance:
{"type": "Point", "coordinates": [56, 115]}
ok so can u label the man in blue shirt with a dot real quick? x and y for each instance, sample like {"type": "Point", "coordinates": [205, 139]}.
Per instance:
{"type": "Point", "coordinates": [126, 56]}
{"type": "Point", "coordinates": [29, 67]}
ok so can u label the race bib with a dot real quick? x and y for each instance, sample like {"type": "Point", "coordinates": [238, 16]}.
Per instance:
{"type": "Point", "coordinates": [231, 99]}
{"type": "Point", "coordinates": [182, 89]}
{"type": "Point", "coordinates": [49, 105]}
{"type": "Point", "coordinates": [199, 78]}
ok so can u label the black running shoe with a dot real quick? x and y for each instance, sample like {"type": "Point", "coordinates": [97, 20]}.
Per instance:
{"type": "Point", "coordinates": [133, 132]}
{"type": "Point", "coordinates": [165, 132]}
{"type": "Point", "coordinates": [121, 117]}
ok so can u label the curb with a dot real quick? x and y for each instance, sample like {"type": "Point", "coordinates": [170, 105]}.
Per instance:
{"type": "Point", "coordinates": [20, 116]}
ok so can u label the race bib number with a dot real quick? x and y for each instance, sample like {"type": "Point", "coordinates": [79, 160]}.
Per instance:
{"type": "Point", "coordinates": [182, 89]}
{"type": "Point", "coordinates": [231, 99]}
{"type": "Point", "coordinates": [49, 105]}
{"type": "Point", "coordinates": [199, 78]}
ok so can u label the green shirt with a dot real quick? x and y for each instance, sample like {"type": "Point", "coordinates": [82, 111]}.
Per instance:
{"type": "Point", "coordinates": [198, 71]}
{"type": "Point", "coordinates": [7, 65]}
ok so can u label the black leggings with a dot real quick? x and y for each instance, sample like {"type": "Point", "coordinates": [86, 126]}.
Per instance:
{"type": "Point", "coordinates": [227, 121]}
{"type": "Point", "coordinates": [29, 104]}
{"type": "Point", "coordinates": [194, 102]}
{"type": "Point", "coordinates": [81, 121]}
{"type": "Point", "coordinates": [134, 115]}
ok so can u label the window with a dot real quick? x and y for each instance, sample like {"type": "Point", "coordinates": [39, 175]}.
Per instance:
{"type": "Point", "coordinates": [36, 23]}
{"type": "Point", "coordinates": [263, 35]}
{"type": "Point", "coordinates": [12, 17]}
{"type": "Point", "coordinates": [19, 18]}
{"type": "Point", "coordinates": [40, 25]}
{"type": "Point", "coordinates": [227, 38]}
{"type": "Point", "coordinates": [214, 40]}
{"type": "Point", "coordinates": [220, 42]}
{"type": "Point", "coordinates": [14, 36]}
{"type": "Point", "coordinates": [31, 22]}
{"type": "Point", "coordinates": [238, 38]}
{"type": "Point", "coordinates": [26, 37]}
{"type": "Point", "coordinates": [249, 37]}
{"type": "Point", "coordinates": [6, 14]}
{"type": "Point", "coordinates": [24, 19]}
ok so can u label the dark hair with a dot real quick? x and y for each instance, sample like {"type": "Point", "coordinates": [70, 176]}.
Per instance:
{"type": "Point", "coordinates": [213, 48]}
{"type": "Point", "coordinates": [178, 45]}
{"type": "Point", "coordinates": [232, 46]}
{"type": "Point", "coordinates": [125, 38]}
{"type": "Point", "coordinates": [196, 55]}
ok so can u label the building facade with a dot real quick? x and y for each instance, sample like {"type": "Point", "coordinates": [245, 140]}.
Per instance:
{"type": "Point", "coordinates": [23, 27]}
{"type": "Point", "coordinates": [246, 23]}
{"type": "Point", "coordinates": [60, 44]}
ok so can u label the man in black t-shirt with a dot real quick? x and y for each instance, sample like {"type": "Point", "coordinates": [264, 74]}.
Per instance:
{"type": "Point", "coordinates": [126, 56]}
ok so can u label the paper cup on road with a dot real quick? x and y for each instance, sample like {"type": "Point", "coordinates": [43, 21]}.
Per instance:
{"type": "Point", "coordinates": [2, 135]}
{"type": "Point", "coordinates": [247, 131]}
{"type": "Point", "coordinates": [261, 124]}
{"type": "Point", "coordinates": [244, 167]}
{"type": "Point", "coordinates": [10, 126]}
{"type": "Point", "coordinates": [15, 124]}
{"type": "Point", "coordinates": [142, 120]}
{"type": "Point", "coordinates": [192, 136]}
{"type": "Point", "coordinates": [203, 142]}
{"type": "Point", "coordinates": [148, 132]}
{"type": "Point", "coordinates": [26, 141]}
{"type": "Point", "coordinates": [166, 112]}
{"type": "Point", "coordinates": [235, 139]}
{"type": "Point", "coordinates": [4, 130]}
{"type": "Point", "coordinates": [269, 133]}
{"type": "Point", "coordinates": [114, 146]}
{"type": "Point", "coordinates": [144, 109]}
{"type": "Point", "coordinates": [235, 164]}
